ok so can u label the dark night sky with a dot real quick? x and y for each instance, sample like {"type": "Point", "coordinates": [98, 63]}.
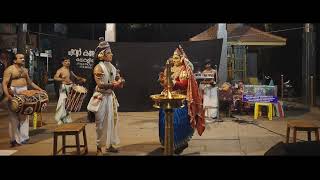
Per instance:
{"type": "Point", "coordinates": [129, 32]}
{"type": "Point", "coordinates": [159, 32]}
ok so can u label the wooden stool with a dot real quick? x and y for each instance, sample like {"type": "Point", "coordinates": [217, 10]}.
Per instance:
{"type": "Point", "coordinates": [299, 125]}
{"type": "Point", "coordinates": [70, 129]}
{"type": "Point", "coordinates": [257, 110]}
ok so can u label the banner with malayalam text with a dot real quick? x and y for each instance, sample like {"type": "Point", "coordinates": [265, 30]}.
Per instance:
{"type": "Point", "coordinates": [260, 93]}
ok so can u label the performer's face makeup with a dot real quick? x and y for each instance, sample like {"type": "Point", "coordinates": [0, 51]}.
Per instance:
{"type": "Point", "coordinates": [108, 56]}
{"type": "Point", "coordinates": [20, 59]}
{"type": "Point", "coordinates": [66, 63]}
{"type": "Point", "coordinates": [176, 59]}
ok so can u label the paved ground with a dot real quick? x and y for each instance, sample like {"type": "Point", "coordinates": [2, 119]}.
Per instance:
{"type": "Point", "coordinates": [139, 135]}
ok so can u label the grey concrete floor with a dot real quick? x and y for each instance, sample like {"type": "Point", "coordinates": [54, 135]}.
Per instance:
{"type": "Point", "coordinates": [139, 135]}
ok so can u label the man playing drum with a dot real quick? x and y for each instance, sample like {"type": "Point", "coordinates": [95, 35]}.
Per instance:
{"type": "Point", "coordinates": [15, 80]}
{"type": "Point", "coordinates": [64, 76]}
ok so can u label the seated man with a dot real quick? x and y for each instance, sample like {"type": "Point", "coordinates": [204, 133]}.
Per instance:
{"type": "Point", "coordinates": [226, 98]}
{"type": "Point", "coordinates": [238, 105]}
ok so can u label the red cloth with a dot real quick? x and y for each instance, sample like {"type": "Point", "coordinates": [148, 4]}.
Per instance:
{"type": "Point", "coordinates": [194, 98]}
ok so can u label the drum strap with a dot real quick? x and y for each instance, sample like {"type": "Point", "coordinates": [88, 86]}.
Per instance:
{"type": "Point", "coordinates": [64, 88]}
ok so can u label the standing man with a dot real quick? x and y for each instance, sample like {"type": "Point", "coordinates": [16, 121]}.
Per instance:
{"type": "Point", "coordinates": [210, 96]}
{"type": "Point", "coordinates": [103, 102]}
{"type": "Point", "coordinates": [15, 80]}
{"type": "Point", "coordinates": [64, 75]}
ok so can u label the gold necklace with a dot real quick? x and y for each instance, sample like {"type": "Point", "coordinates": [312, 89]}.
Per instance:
{"type": "Point", "coordinates": [176, 71]}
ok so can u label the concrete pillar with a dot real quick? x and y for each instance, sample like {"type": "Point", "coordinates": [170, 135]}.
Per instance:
{"type": "Point", "coordinates": [110, 33]}
{"type": "Point", "coordinates": [222, 34]}
{"type": "Point", "coordinates": [308, 61]}
{"type": "Point", "coordinates": [21, 38]}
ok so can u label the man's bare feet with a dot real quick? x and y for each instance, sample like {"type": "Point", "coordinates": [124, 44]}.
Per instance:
{"type": "Point", "coordinates": [99, 152]}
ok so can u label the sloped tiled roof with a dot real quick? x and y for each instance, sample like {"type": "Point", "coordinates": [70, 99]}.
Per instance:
{"type": "Point", "coordinates": [242, 34]}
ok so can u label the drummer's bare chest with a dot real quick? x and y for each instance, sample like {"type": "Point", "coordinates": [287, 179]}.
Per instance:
{"type": "Point", "coordinates": [18, 73]}
{"type": "Point", "coordinates": [65, 73]}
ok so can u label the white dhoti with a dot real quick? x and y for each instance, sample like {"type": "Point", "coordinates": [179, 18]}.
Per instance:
{"type": "Point", "coordinates": [210, 101]}
{"type": "Point", "coordinates": [63, 116]}
{"type": "Point", "coordinates": [18, 124]}
{"type": "Point", "coordinates": [107, 121]}
{"type": "Point", "coordinates": [106, 114]}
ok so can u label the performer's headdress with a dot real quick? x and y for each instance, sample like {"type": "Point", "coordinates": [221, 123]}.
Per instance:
{"type": "Point", "coordinates": [179, 51]}
{"type": "Point", "coordinates": [102, 48]}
